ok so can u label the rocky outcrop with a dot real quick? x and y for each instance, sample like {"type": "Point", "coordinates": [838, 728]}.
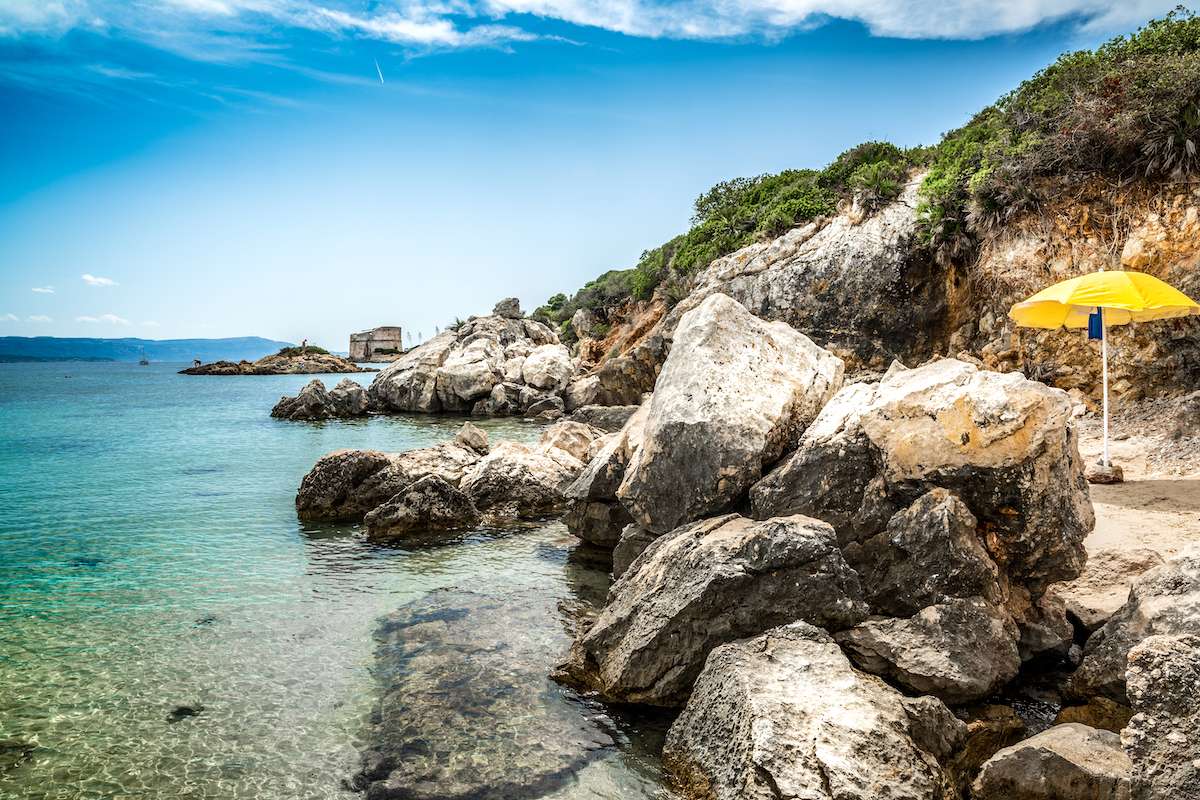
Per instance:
{"type": "Point", "coordinates": [1103, 586]}
{"type": "Point", "coordinates": [1163, 601]}
{"type": "Point", "coordinates": [347, 399]}
{"type": "Point", "coordinates": [482, 367]}
{"type": "Point", "coordinates": [959, 651]}
{"type": "Point", "coordinates": [784, 714]}
{"type": "Point", "coordinates": [427, 505]}
{"type": "Point", "coordinates": [1066, 762]}
{"type": "Point", "coordinates": [519, 481]}
{"type": "Point", "coordinates": [464, 707]}
{"type": "Point", "coordinates": [1001, 443]}
{"type": "Point", "coordinates": [1164, 688]}
{"type": "Point", "coordinates": [310, 363]}
{"type": "Point", "coordinates": [734, 394]}
{"type": "Point", "coordinates": [472, 437]}
{"type": "Point", "coordinates": [706, 584]}
{"type": "Point", "coordinates": [574, 438]}
{"type": "Point", "coordinates": [631, 544]}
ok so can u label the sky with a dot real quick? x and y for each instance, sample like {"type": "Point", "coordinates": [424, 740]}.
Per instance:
{"type": "Point", "coordinates": [308, 168]}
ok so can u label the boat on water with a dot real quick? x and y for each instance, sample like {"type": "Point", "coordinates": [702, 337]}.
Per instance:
{"type": "Point", "coordinates": [143, 361]}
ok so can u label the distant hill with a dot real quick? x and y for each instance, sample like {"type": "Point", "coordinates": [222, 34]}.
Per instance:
{"type": "Point", "coordinates": [50, 348]}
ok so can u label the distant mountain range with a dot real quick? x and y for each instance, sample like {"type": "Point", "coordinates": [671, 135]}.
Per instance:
{"type": "Point", "coordinates": [50, 348]}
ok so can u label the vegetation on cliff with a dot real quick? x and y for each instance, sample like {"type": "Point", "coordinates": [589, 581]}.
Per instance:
{"type": "Point", "coordinates": [1127, 111]}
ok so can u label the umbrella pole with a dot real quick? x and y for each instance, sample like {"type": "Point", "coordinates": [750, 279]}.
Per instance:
{"type": "Point", "coordinates": [1104, 358]}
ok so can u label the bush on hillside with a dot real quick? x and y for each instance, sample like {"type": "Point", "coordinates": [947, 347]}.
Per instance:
{"type": "Point", "coordinates": [311, 349]}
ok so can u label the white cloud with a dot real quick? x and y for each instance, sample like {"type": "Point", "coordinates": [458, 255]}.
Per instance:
{"type": "Point", "coordinates": [8, 318]}
{"type": "Point", "coordinates": [40, 318]}
{"type": "Point", "coordinates": [44, 289]}
{"type": "Point", "coordinates": [95, 280]}
{"type": "Point", "coordinates": [111, 319]}
{"type": "Point", "coordinates": [178, 25]}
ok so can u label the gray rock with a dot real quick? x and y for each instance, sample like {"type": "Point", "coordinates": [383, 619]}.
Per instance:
{"type": "Point", "coordinates": [311, 403]}
{"type": "Point", "coordinates": [632, 543]}
{"type": "Point", "coordinates": [572, 437]}
{"type": "Point", "coordinates": [606, 418]}
{"type": "Point", "coordinates": [469, 373]}
{"type": "Point", "coordinates": [933, 727]}
{"type": "Point", "coordinates": [521, 481]}
{"type": "Point", "coordinates": [472, 438]}
{"type": "Point", "coordinates": [410, 382]}
{"type": "Point", "coordinates": [1162, 737]}
{"type": "Point", "coordinates": [596, 522]}
{"type": "Point", "coordinates": [929, 553]}
{"type": "Point", "coordinates": [349, 399]}
{"type": "Point", "coordinates": [583, 322]}
{"type": "Point", "coordinates": [1103, 586]}
{"type": "Point", "coordinates": [547, 407]}
{"type": "Point", "coordinates": [548, 367]}
{"type": "Point", "coordinates": [593, 512]}
{"type": "Point", "coordinates": [1045, 629]}
{"type": "Point", "coordinates": [734, 394]}
{"type": "Point", "coordinates": [509, 307]}
{"type": "Point", "coordinates": [706, 584]}
{"type": "Point", "coordinates": [465, 709]}
{"type": "Point", "coordinates": [1002, 443]}
{"type": "Point", "coordinates": [1163, 601]}
{"type": "Point", "coordinates": [784, 715]}
{"type": "Point", "coordinates": [1066, 762]}
{"type": "Point", "coordinates": [427, 505]}
{"type": "Point", "coordinates": [959, 651]}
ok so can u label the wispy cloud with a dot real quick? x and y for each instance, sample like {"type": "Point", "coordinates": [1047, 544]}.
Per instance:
{"type": "Point", "coordinates": [96, 280]}
{"type": "Point", "coordinates": [40, 318]}
{"type": "Point", "coordinates": [110, 319]}
{"type": "Point", "coordinates": [9, 318]}
{"type": "Point", "coordinates": [44, 289]}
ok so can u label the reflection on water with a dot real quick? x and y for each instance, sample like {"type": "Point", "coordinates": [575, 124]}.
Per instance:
{"type": "Point", "coordinates": [152, 562]}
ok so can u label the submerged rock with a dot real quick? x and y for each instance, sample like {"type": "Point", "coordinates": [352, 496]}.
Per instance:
{"type": "Point", "coordinates": [785, 715]}
{"type": "Point", "coordinates": [465, 708]}
{"type": "Point", "coordinates": [427, 505]}
{"type": "Point", "coordinates": [733, 395]}
{"type": "Point", "coordinates": [701, 586]}
{"type": "Point", "coordinates": [1066, 762]}
{"type": "Point", "coordinates": [1161, 738]}
{"type": "Point", "coordinates": [1164, 600]}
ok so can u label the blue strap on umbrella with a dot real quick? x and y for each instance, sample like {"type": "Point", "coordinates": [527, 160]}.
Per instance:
{"type": "Point", "coordinates": [1096, 324]}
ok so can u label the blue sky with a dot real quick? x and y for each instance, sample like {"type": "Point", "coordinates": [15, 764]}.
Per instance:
{"type": "Point", "coordinates": [306, 168]}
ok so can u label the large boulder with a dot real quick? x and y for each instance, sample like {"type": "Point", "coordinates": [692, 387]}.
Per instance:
{"type": "Point", "coordinates": [1003, 444]}
{"type": "Point", "coordinates": [346, 484]}
{"type": "Point", "coordinates": [734, 394]}
{"type": "Point", "coordinates": [706, 584]}
{"type": "Point", "coordinates": [349, 399]}
{"type": "Point", "coordinates": [468, 374]}
{"type": "Point", "coordinates": [1066, 762]}
{"type": "Point", "coordinates": [310, 403]}
{"type": "Point", "coordinates": [410, 382]}
{"type": "Point", "coordinates": [428, 505]}
{"type": "Point", "coordinates": [959, 651]}
{"type": "Point", "coordinates": [521, 481]}
{"type": "Point", "coordinates": [574, 438]}
{"type": "Point", "coordinates": [1161, 738]}
{"type": "Point", "coordinates": [548, 367]}
{"type": "Point", "coordinates": [1163, 601]}
{"type": "Point", "coordinates": [606, 418]}
{"type": "Point", "coordinates": [784, 714]}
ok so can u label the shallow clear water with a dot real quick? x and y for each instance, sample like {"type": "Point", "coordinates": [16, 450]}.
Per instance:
{"type": "Point", "coordinates": [150, 557]}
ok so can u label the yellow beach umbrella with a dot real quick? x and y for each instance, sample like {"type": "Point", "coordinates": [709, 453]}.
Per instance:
{"type": "Point", "coordinates": [1116, 297]}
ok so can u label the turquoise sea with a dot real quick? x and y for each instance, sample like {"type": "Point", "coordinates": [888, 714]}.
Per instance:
{"type": "Point", "coordinates": [151, 558]}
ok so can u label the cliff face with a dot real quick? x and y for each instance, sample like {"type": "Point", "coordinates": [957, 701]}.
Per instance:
{"type": "Point", "coordinates": [864, 286]}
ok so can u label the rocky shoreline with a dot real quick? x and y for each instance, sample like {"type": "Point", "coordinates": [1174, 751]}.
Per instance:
{"type": "Point", "coordinates": [843, 590]}
{"type": "Point", "coordinates": [280, 364]}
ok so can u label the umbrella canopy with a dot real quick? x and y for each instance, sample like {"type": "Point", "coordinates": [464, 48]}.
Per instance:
{"type": "Point", "coordinates": [1124, 296]}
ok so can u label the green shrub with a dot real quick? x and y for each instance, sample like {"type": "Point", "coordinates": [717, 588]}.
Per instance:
{"type": "Point", "coordinates": [308, 350]}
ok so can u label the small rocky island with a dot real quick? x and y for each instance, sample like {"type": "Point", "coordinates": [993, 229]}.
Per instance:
{"type": "Point", "coordinates": [288, 361]}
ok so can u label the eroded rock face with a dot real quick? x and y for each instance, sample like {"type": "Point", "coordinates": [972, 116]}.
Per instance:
{"type": "Point", "coordinates": [465, 709]}
{"type": "Point", "coordinates": [1002, 443]}
{"type": "Point", "coordinates": [706, 584]}
{"type": "Point", "coordinates": [479, 367]}
{"type": "Point", "coordinates": [1163, 601]}
{"type": "Point", "coordinates": [574, 438]}
{"type": "Point", "coordinates": [313, 402]}
{"type": "Point", "coordinates": [959, 651]}
{"type": "Point", "coordinates": [427, 505]}
{"type": "Point", "coordinates": [593, 512]}
{"type": "Point", "coordinates": [521, 481]}
{"type": "Point", "coordinates": [784, 714]}
{"type": "Point", "coordinates": [1164, 688]}
{"type": "Point", "coordinates": [1066, 762]}
{"type": "Point", "coordinates": [1103, 586]}
{"type": "Point", "coordinates": [734, 394]}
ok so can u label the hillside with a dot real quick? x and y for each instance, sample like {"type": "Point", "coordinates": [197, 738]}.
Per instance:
{"type": "Point", "coordinates": [910, 253]}
{"type": "Point", "coordinates": [50, 348]}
